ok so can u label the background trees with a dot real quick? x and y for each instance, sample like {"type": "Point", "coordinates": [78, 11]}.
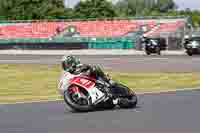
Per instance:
{"type": "Point", "coordinates": [55, 9]}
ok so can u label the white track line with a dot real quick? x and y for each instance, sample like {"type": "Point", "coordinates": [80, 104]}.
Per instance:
{"type": "Point", "coordinates": [167, 91]}
{"type": "Point", "coordinates": [139, 93]}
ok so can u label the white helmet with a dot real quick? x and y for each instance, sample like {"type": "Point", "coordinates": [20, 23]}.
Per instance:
{"type": "Point", "coordinates": [186, 37]}
{"type": "Point", "coordinates": [144, 36]}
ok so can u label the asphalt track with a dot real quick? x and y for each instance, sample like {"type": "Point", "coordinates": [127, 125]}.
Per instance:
{"type": "Point", "coordinates": [134, 63]}
{"type": "Point", "coordinates": [173, 112]}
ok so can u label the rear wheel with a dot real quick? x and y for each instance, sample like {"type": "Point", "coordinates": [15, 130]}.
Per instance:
{"type": "Point", "coordinates": [127, 98]}
{"type": "Point", "coordinates": [77, 102]}
{"type": "Point", "coordinates": [129, 102]}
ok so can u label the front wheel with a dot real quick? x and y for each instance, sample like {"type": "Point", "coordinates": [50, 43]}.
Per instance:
{"type": "Point", "coordinates": [80, 104]}
{"type": "Point", "coordinates": [190, 52]}
{"type": "Point", "coordinates": [147, 52]}
{"type": "Point", "coordinates": [158, 51]}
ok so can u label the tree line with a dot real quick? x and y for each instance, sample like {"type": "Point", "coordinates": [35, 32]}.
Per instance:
{"type": "Point", "coordinates": [56, 9]}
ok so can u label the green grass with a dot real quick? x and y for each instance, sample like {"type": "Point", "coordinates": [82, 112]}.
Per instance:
{"type": "Point", "coordinates": [21, 83]}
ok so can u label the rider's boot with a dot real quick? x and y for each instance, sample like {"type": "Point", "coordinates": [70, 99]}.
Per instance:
{"type": "Point", "coordinates": [116, 101]}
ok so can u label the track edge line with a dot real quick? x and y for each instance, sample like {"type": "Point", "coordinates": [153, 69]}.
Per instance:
{"type": "Point", "coordinates": [139, 93]}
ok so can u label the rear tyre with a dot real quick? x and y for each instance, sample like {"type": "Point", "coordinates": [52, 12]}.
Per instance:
{"type": "Point", "coordinates": [129, 102]}
{"type": "Point", "coordinates": [76, 106]}
{"type": "Point", "coordinates": [127, 98]}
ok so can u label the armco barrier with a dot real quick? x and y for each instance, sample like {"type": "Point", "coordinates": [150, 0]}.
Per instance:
{"type": "Point", "coordinates": [111, 43]}
{"type": "Point", "coordinates": [67, 43]}
{"type": "Point", "coordinates": [48, 46]}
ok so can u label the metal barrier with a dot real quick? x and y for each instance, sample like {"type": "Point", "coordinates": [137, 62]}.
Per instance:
{"type": "Point", "coordinates": [67, 43]}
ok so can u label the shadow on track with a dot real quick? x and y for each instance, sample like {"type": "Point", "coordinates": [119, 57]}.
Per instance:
{"type": "Point", "coordinates": [68, 110]}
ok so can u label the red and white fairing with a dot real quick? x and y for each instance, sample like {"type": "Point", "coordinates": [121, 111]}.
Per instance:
{"type": "Point", "coordinates": [67, 79]}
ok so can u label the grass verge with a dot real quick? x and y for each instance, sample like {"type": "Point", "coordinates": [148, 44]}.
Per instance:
{"type": "Point", "coordinates": [28, 82]}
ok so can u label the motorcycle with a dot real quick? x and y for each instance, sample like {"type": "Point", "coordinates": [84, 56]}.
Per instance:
{"type": "Point", "coordinates": [152, 47]}
{"type": "Point", "coordinates": [82, 93]}
{"type": "Point", "coordinates": [192, 48]}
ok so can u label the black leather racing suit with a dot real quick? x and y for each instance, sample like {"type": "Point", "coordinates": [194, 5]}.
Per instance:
{"type": "Point", "coordinates": [89, 70]}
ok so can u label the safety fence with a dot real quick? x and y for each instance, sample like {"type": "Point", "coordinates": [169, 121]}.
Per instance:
{"type": "Point", "coordinates": [68, 43]}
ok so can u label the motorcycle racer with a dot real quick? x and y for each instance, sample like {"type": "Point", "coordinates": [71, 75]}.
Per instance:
{"type": "Point", "coordinates": [117, 93]}
{"type": "Point", "coordinates": [186, 40]}
{"type": "Point", "coordinates": [145, 39]}
{"type": "Point", "coordinates": [72, 65]}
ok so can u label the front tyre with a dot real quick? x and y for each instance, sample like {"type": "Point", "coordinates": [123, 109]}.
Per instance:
{"type": "Point", "coordinates": [190, 52]}
{"type": "Point", "coordinates": [158, 51]}
{"type": "Point", "coordinates": [75, 104]}
{"type": "Point", "coordinates": [147, 52]}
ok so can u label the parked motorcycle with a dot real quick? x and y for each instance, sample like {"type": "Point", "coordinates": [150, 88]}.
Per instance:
{"type": "Point", "coordinates": [83, 93]}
